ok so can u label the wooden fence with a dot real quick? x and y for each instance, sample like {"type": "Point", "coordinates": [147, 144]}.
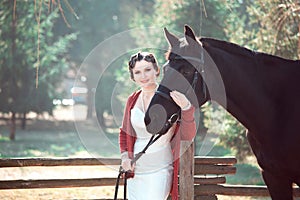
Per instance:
{"type": "Point", "coordinates": [208, 172]}
{"type": "Point", "coordinates": [213, 181]}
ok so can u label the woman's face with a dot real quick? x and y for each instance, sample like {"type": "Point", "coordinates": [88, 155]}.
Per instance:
{"type": "Point", "coordinates": [144, 73]}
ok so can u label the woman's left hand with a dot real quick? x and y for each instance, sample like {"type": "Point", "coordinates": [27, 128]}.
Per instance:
{"type": "Point", "coordinates": [180, 99]}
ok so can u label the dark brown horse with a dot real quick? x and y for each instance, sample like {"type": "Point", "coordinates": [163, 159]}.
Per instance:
{"type": "Point", "coordinates": [260, 90]}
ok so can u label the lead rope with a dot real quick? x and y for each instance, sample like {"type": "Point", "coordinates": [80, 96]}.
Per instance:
{"type": "Point", "coordinates": [122, 171]}
{"type": "Point", "coordinates": [117, 183]}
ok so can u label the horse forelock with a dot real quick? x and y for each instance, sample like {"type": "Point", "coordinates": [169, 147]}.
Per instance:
{"type": "Point", "coordinates": [184, 49]}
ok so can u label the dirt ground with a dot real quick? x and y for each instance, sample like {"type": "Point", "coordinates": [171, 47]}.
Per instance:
{"type": "Point", "coordinates": [56, 173]}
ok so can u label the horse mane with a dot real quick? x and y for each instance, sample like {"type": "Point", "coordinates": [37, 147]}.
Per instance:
{"type": "Point", "coordinates": [227, 46]}
{"type": "Point", "coordinates": [220, 44]}
{"type": "Point", "coordinates": [236, 50]}
{"type": "Point", "coordinates": [243, 51]}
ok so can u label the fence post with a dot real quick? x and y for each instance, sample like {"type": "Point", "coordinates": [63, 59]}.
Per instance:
{"type": "Point", "coordinates": [186, 171]}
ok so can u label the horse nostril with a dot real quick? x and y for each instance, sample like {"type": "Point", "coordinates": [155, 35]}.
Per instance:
{"type": "Point", "coordinates": [155, 118]}
{"type": "Point", "coordinates": [173, 118]}
{"type": "Point", "coordinates": [147, 119]}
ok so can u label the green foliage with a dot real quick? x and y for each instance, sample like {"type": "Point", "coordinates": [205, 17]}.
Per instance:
{"type": "Point", "coordinates": [246, 174]}
{"type": "Point", "coordinates": [270, 26]}
{"type": "Point", "coordinates": [18, 58]}
{"type": "Point", "coordinates": [234, 137]}
{"type": "Point", "coordinates": [96, 22]}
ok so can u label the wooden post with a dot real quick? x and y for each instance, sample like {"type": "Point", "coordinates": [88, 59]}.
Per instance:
{"type": "Point", "coordinates": [186, 171]}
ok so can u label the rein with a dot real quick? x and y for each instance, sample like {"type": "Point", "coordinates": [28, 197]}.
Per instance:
{"type": "Point", "coordinates": [127, 173]}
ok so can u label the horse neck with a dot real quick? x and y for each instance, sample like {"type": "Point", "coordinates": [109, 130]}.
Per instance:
{"type": "Point", "coordinates": [243, 96]}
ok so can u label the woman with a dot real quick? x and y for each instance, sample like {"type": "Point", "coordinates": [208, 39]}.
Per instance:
{"type": "Point", "coordinates": [155, 173]}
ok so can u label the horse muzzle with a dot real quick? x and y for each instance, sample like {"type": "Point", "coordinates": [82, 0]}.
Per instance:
{"type": "Point", "coordinates": [157, 122]}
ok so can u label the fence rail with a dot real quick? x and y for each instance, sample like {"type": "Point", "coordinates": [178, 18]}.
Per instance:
{"type": "Point", "coordinates": [56, 183]}
{"type": "Point", "coordinates": [236, 190]}
{"type": "Point", "coordinates": [31, 162]}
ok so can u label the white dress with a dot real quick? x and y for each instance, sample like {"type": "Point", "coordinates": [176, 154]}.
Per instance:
{"type": "Point", "coordinates": [154, 170]}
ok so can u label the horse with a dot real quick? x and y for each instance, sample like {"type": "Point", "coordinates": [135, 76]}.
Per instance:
{"type": "Point", "coordinates": [260, 90]}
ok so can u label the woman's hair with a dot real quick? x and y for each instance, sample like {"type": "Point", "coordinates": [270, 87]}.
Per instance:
{"type": "Point", "coordinates": [149, 57]}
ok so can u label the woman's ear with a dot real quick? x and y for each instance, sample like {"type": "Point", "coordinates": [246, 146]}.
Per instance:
{"type": "Point", "coordinates": [158, 72]}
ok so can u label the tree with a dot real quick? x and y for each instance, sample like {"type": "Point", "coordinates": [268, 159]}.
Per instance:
{"type": "Point", "coordinates": [20, 36]}
{"type": "Point", "coordinates": [278, 27]}
{"type": "Point", "coordinates": [97, 21]}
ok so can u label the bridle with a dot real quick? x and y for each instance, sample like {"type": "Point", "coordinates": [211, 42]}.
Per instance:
{"type": "Point", "coordinates": [200, 68]}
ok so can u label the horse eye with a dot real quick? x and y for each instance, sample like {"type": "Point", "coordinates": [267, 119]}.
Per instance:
{"type": "Point", "coordinates": [185, 72]}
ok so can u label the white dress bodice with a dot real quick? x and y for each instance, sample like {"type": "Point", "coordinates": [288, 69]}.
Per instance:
{"type": "Point", "coordinates": [154, 170]}
{"type": "Point", "coordinates": [159, 154]}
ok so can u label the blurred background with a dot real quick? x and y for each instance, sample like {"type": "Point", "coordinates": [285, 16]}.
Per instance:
{"type": "Point", "coordinates": [43, 44]}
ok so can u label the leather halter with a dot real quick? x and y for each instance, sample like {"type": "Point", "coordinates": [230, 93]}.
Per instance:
{"type": "Point", "coordinates": [174, 117]}
{"type": "Point", "coordinates": [199, 68]}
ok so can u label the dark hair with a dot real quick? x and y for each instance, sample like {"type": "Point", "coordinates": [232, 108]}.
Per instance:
{"type": "Point", "coordinates": [149, 57]}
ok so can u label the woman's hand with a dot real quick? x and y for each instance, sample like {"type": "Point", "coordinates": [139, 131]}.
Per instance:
{"type": "Point", "coordinates": [126, 162]}
{"type": "Point", "coordinates": [126, 165]}
{"type": "Point", "coordinates": [181, 100]}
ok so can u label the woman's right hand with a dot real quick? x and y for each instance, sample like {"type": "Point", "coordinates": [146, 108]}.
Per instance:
{"type": "Point", "coordinates": [126, 165]}
{"type": "Point", "coordinates": [126, 162]}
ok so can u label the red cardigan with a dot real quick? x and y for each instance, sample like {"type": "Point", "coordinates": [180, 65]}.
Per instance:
{"type": "Point", "coordinates": [185, 130]}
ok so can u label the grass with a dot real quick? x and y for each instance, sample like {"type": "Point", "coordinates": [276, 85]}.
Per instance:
{"type": "Point", "coordinates": [246, 174]}
{"type": "Point", "coordinates": [58, 138]}
{"type": "Point", "coordinates": [38, 143]}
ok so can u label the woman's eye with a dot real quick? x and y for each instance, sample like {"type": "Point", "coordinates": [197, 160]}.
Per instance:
{"type": "Point", "coordinates": [136, 72]}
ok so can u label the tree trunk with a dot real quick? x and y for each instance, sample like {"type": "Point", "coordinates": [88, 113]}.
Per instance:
{"type": "Point", "coordinates": [100, 119]}
{"type": "Point", "coordinates": [90, 104]}
{"type": "Point", "coordinates": [12, 126]}
{"type": "Point", "coordinates": [13, 54]}
{"type": "Point", "coordinates": [23, 124]}
{"type": "Point", "coordinates": [299, 42]}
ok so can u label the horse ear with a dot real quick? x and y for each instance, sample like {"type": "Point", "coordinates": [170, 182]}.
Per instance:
{"type": "Point", "coordinates": [172, 39]}
{"type": "Point", "coordinates": [189, 34]}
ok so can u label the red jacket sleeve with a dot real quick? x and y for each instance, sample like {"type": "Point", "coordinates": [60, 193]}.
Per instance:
{"type": "Point", "coordinates": [124, 128]}
{"type": "Point", "coordinates": [187, 127]}
{"type": "Point", "coordinates": [127, 135]}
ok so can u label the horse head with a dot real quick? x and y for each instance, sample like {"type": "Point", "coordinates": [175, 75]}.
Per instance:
{"type": "Point", "coordinates": [183, 72]}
